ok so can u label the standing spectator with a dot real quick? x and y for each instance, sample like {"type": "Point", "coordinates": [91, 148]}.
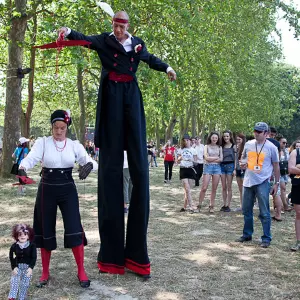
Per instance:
{"type": "Point", "coordinates": [277, 203]}
{"type": "Point", "coordinates": [273, 133]}
{"type": "Point", "coordinates": [213, 156]}
{"type": "Point", "coordinates": [169, 158]}
{"type": "Point", "coordinates": [227, 169]}
{"type": "Point", "coordinates": [259, 158]}
{"type": "Point", "coordinates": [294, 171]}
{"type": "Point", "coordinates": [187, 156]}
{"type": "Point", "coordinates": [295, 145]}
{"type": "Point", "coordinates": [193, 142]}
{"type": "Point", "coordinates": [283, 165]}
{"type": "Point", "coordinates": [239, 173]}
{"type": "Point", "coordinates": [127, 184]}
{"type": "Point", "coordinates": [200, 160]}
{"type": "Point", "coordinates": [154, 149]}
{"type": "Point", "coordinates": [150, 153]}
{"type": "Point", "coordinates": [19, 154]}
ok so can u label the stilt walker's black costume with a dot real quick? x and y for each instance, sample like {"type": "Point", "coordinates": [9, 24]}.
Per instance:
{"type": "Point", "coordinates": [120, 125]}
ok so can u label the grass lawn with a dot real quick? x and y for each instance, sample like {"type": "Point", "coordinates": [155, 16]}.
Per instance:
{"type": "Point", "coordinates": [193, 256]}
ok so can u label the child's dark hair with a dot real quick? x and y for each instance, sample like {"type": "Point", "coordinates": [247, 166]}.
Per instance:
{"type": "Point", "coordinates": [22, 228]}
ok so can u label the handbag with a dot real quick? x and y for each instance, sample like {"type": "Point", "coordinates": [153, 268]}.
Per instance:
{"type": "Point", "coordinates": [283, 167]}
{"type": "Point", "coordinates": [295, 179]}
{"type": "Point", "coordinates": [15, 167]}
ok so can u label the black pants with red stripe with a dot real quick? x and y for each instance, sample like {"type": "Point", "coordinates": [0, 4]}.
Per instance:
{"type": "Point", "coordinates": [122, 126]}
{"type": "Point", "coordinates": [57, 189]}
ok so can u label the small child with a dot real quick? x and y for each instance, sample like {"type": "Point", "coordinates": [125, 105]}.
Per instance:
{"type": "Point", "coordinates": [22, 257]}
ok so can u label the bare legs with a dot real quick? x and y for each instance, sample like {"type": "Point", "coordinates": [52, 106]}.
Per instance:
{"type": "Point", "coordinates": [239, 181]}
{"type": "Point", "coordinates": [283, 195]}
{"type": "Point", "coordinates": [205, 183]}
{"type": "Point", "coordinates": [226, 180]}
{"type": "Point", "coordinates": [188, 201]}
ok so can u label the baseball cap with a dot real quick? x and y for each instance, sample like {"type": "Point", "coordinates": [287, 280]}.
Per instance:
{"type": "Point", "coordinates": [261, 126]}
{"type": "Point", "coordinates": [23, 140]}
{"type": "Point", "coordinates": [186, 136]}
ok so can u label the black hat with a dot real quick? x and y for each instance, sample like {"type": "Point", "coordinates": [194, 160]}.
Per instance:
{"type": "Point", "coordinates": [186, 136]}
{"type": "Point", "coordinates": [61, 115]}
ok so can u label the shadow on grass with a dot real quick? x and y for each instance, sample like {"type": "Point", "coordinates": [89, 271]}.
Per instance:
{"type": "Point", "coordinates": [193, 256]}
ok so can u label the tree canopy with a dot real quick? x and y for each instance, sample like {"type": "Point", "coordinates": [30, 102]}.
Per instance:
{"type": "Point", "coordinates": [227, 63]}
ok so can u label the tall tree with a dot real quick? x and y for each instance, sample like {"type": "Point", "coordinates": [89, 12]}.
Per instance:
{"type": "Point", "coordinates": [13, 108]}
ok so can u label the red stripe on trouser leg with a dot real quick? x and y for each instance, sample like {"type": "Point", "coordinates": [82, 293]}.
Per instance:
{"type": "Point", "coordinates": [111, 268]}
{"type": "Point", "coordinates": [137, 268]}
{"type": "Point", "coordinates": [45, 256]}
{"type": "Point", "coordinates": [78, 253]}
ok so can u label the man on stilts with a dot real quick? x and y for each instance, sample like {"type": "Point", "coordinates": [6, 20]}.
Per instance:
{"type": "Point", "coordinates": [120, 125]}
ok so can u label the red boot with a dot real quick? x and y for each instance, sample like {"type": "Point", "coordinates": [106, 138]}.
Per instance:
{"type": "Point", "coordinates": [79, 258]}
{"type": "Point", "coordinates": [45, 255]}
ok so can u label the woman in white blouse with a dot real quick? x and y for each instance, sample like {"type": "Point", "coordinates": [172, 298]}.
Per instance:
{"type": "Point", "coordinates": [58, 155]}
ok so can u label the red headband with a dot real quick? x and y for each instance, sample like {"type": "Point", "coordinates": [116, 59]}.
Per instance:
{"type": "Point", "coordinates": [124, 21]}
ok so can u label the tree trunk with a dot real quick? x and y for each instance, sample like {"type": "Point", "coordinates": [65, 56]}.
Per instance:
{"type": "Point", "coordinates": [81, 130]}
{"type": "Point", "coordinates": [170, 128]}
{"type": "Point", "coordinates": [193, 116]}
{"type": "Point", "coordinates": [157, 134]}
{"type": "Point", "coordinates": [29, 109]}
{"type": "Point", "coordinates": [13, 108]}
{"type": "Point", "coordinates": [185, 123]}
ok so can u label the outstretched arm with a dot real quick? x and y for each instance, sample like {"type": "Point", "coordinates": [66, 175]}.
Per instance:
{"type": "Point", "coordinates": [156, 63]}
{"type": "Point", "coordinates": [74, 35]}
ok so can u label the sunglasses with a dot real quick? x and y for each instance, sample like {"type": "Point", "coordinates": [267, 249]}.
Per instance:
{"type": "Point", "coordinates": [258, 131]}
{"type": "Point", "coordinates": [284, 142]}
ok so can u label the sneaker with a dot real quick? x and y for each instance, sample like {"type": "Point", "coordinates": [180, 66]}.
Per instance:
{"type": "Point", "coordinates": [296, 247]}
{"type": "Point", "coordinates": [227, 209]}
{"type": "Point", "coordinates": [222, 208]}
{"type": "Point", "coordinates": [183, 210]}
{"type": "Point", "coordinates": [243, 239]}
{"type": "Point", "coordinates": [165, 181]}
{"type": "Point", "coordinates": [211, 209]}
{"type": "Point", "coordinates": [238, 209]}
{"type": "Point", "coordinates": [199, 207]}
{"type": "Point", "coordinates": [265, 244]}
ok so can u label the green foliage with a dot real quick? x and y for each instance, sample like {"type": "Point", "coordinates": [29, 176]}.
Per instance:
{"type": "Point", "coordinates": [225, 59]}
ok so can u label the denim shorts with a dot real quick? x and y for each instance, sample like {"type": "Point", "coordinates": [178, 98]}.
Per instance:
{"type": "Point", "coordinates": [284, 178]}
{"type": "Point", "coordinates": [212, 169]}
{"type": "Point", "coordinates": [227, 168]}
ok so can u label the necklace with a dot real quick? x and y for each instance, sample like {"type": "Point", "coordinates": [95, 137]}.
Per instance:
{"type": "Point", "coordinates": [59, 149]}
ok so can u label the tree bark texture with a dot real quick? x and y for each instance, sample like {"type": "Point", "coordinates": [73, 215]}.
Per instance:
{"type": "Point", "coordinates": [12, 127]}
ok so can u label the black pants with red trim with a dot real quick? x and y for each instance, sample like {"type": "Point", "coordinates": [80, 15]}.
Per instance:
{"type": "Point", "coordinates": [122, 127]}
{"type": "Point", "coordinates": [57, 189]}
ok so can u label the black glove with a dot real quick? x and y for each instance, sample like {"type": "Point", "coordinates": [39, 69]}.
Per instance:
{"type": "Point", "coordinates": [21, 172]}
{"type": "Point", "coordinates": [85, 170]}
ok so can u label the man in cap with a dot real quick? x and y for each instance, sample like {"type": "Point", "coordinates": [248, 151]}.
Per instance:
{"type": "Point", "coordinates": [120, 125]}
{"type": "Point", "coordinates": [259, 158]}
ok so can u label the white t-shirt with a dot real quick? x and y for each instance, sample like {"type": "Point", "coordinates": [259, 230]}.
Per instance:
{"type": "Point", "coordinates": [44, 150]}
{"type": "Point", "coordinates": [200, 153]}
{"type": "Point", "coordinates": [187, 155]}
